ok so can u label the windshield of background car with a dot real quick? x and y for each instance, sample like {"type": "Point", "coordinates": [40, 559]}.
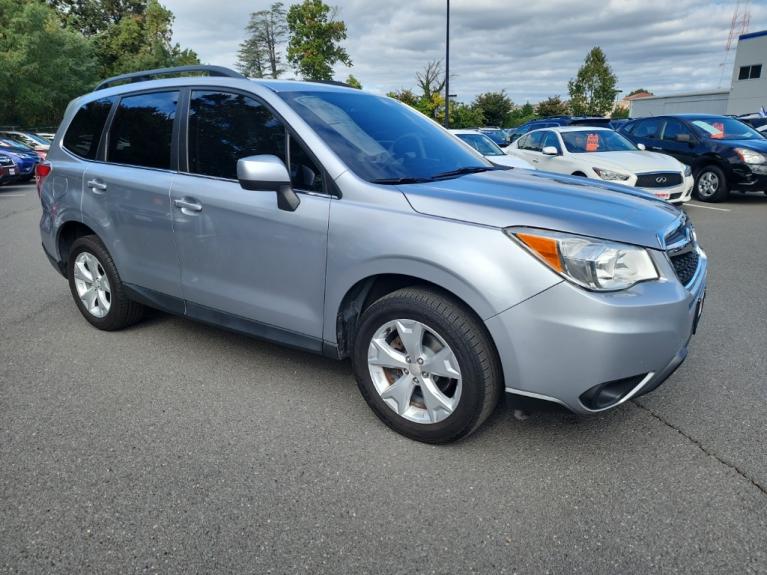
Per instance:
{"type": "Point", "coordinates": [38, 139]}
{"type": "Point", "coordinates": [482, 144]}
{"type": "Point", "coordinates": [724, 129]}
{"type": "Point", "coordinates": [585, 141]}
{"type": "Point", "coordinates": [382, 139]}
{"type": "Point", "coordinates": [14, 145]}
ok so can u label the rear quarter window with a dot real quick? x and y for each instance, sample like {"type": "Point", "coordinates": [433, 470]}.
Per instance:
{"type": "Point", "coordinates": [84, 132]}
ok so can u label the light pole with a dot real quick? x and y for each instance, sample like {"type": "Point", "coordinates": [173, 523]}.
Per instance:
{"type": "Point", "coordinates": [447, 68]}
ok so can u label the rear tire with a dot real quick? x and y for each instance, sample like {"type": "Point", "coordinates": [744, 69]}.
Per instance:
{"type": "Point", "coordinates": [711, 185]}
{"type": "Point", "coordinates": [430, 407]}
{"type": "Point", "coordinates": [96, 286]}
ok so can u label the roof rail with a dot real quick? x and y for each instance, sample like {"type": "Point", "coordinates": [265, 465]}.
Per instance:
{"type": "Point", "coordinates": [149, 74]}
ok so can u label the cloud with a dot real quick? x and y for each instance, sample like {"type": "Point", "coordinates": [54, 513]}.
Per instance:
{"type": "Point", "coordinates": [530, 49]}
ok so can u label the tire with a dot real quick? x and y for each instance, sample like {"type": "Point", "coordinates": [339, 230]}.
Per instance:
{"type": "Point", "coordinates": [111, 309]}
{"type": "Point", "coordinates": [470, 355]}
{"type": "Point", "coordinates": [711, 185]}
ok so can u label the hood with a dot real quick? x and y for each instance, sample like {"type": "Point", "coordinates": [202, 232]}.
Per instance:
{"type": "Point", "coordinates": [758, 145]}
{"type": "Point", "coordinates": [511, 161]}
{"type": "Point", "coordinates": [635, 162]}
{"type": "Point", "coordinates": [505, 198]}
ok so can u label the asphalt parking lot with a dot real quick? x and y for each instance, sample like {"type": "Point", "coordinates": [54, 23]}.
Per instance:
{"type": "Point", "coordinates": [178, 448]}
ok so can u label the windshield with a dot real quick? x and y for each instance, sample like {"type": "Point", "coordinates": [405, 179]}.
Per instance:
{"type": "Point", "coordinates": [585, 141]}
{"type": "Point", "coordinates": [34, 137]}
{"type": "Point", "coordinates": [724, 129]}
{"type": "Point", "coordinates": [482, 144]}
{"type": "Point", "coordinates": [14, 145]}
{"type": "Point", "coordinates": [382, 140]}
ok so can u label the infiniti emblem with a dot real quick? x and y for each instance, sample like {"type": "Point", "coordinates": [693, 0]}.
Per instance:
{"type": "Point", "coordinates": [661, 179]}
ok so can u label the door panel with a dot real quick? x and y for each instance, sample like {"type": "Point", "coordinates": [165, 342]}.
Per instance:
{"type": "Point", "coordinates": [242, 255]}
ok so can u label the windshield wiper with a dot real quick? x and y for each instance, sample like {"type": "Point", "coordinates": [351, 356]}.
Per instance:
{"type": "Point", "coordinates": [463, 171]}
{"type": "Point", "coordinates": [394, 181]}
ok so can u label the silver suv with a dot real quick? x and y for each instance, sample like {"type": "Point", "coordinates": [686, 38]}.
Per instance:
{"type": "Point", "coordinates": [344, 223]}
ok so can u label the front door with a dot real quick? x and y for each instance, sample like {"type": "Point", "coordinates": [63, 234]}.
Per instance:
{"type": "Point", "coordinates": [242, 258]}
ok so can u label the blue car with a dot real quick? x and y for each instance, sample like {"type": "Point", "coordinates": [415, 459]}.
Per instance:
{"type": "Point", "coordinates": [23, 156]}
{"type": "Point", "coordinates": [8, 169]}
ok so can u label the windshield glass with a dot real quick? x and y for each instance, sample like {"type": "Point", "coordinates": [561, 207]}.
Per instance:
{"type": "Point", "coordinates": [585, 141]}
{"type": "Point", "coordinates": [14, 145]}
{"type": "Point", "coordinates": [482, 144]}
{"type": "Point", "coordinates": [724, 129]}
{"type": "Point", "coordinates": [35, 138]}
{"type": "Point", "coordinates": [382, 140]}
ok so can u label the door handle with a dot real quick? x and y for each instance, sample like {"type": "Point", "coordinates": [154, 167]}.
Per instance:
{"type": "Point", "coordinates": [188, 205]}
{"type": "Point", "coordinates": [656, 148]}
{"type": "Point", "coordinates": [96, 185]}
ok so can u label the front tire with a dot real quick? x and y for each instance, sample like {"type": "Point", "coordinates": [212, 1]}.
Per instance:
{"type": "Point", "coordinates": [711, 185]}
{"type": "Point", "coordinates": [96, 286]}
{"type": "Point", "coordinates": [426, 365]}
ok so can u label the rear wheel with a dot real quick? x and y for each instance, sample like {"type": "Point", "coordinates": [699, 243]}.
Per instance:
{"type": "Point", "coordinates": [711, 185]}
{"type": "Point", "coordinates": [426, 365]}
{"type": "Point", "coordinates": [96, 286]}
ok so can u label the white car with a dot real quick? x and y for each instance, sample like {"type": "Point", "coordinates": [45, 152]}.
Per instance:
{"type": "Point", "coordinates": [485, 146]}
{"type": "Point", "coordinates": [603, 154]}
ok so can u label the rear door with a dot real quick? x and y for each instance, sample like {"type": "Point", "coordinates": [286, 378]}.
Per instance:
{"type": "Point", "coordinates": [127, 197]}
{"type": "Point", "coordinates": [241, 256]}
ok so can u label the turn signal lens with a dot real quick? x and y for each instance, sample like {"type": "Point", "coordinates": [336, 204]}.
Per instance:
{"type": "Point", "coordinates": [544, 248]}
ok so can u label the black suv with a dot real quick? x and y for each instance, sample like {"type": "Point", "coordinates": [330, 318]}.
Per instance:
{"type": "Point", "coordinates": [724, 153]}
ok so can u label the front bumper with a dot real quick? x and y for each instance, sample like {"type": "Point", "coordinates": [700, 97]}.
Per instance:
{"type": "Point", "coordinates": [676, 194]}
{"type": "Point", "coordinates": [750, 177]}
{"type": "Point", "coordinates": [565, 341]}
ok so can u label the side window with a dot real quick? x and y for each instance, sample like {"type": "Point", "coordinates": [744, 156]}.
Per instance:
{"type": "Point", "coordinates": [304, 172]}
{"type": "Point", "coordinates": [224, 127]}
{"type": "Point", "coordinates": [535, 141]}
{"type": "Point", "coordinates": [142, 130]}
{"type": "Point", "coordinates": [550, 139]}
{"type": "Point", "coordinates": [647, 129]}
{"type": "Point", "coordinates": [673, 129]}
{"type": "Point", "coordinates": [84, 132]}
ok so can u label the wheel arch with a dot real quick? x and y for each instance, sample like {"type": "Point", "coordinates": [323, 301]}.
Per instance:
{"type": "Point", "coordinates": [68, 233]}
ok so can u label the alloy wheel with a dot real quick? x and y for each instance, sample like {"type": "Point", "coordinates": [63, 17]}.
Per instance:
{"type": "Point", "coordinates": [92, 285]}
{"type": "Point", "coordinates": [708, 184]}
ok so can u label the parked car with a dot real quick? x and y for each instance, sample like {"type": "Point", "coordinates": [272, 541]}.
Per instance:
{"type": "Point", "coordinates": [497, 135]}
{"type": "Point", "coordinates": [8, 170]}
{"type": "Point", "coordinates": [553, 121]}
{"type": "Point", "coordinates": [617, 123]}
{"type": "Point", "coordinates": [47, 135]}
{"type": "Point", "coordinates": [756, 121]}
{"type": "Point", "coordinates": [345, 223]}
{"type": "Point", "coordinates": [25, 158]}
{"type": "Point", "coordinates": [485, 146]}
{"type": "Point", "coordinates": [603, 154]}
{"type": "Point", "coordinates": [37, 143]}
{"type": "Point", "coordinates": [724, 153]}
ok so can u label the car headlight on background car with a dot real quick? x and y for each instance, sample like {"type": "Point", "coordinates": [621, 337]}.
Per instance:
{"type": "Point", "coordinates": [750, 156]}
{"type": "Point", "coordinates": [591, 263]}
{"type": "Point", "coordinates": [687, 171]}
{"type": "Point", "coordinates": [611, 176]}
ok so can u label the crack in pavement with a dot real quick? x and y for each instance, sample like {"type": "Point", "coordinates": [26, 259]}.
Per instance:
{"type": "Point", "coordinates": [17, 212]}
{"type": "Point", "coordinates": [700, 446]}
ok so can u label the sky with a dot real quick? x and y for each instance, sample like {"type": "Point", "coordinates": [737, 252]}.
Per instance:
{"type": "Point", "coordinates": [528, 48]}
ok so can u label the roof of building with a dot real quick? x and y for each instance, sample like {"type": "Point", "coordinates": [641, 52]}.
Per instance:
{"type": "Point", "coordinates": [752, 35]}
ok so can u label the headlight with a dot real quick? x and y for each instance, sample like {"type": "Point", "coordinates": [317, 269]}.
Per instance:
{"type": "Point", "coordinates": [591, 263]}
{"type": "Point", "coordinates": [687, 171]}
{"type": "Point", "coordinates": [750, 156]}
{"type": "Point", "coordinates": [611, 176]}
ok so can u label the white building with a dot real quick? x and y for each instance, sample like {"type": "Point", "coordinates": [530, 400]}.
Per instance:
{"type": "Point", "coordinates": [747, 93]}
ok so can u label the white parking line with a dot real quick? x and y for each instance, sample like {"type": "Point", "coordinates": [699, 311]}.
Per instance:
{"type": "Point", "coordinates": [12, 195]}
{"type": "Point", "coordinates": [707, 207]}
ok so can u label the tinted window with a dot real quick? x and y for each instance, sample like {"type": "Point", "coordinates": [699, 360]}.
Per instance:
{"type": "Point", "coordinates": [83, 135]}
{"type": "Point", "coordinates": [586, 141]}
{"type": "Point", "coordinates": [224, 127]}
{"type": "Point", "coordinates": [534, 141]}
{"type": "Point", "coordinates": [550, 139]}
{"type": "Point", "coordinates": [142, 130]}
{"type": "Point", "coordinates": [381, 139]}
{"type": "Point", "coordinates": [482, 144]}
{"type": "Point", "coordinates": [647, 128]}
{"type": "Point", "coordinates": [304, 172]}
{"type": "Point", "coordinates": [723, 128]}
{"type": "Point", "coordinates": [673, 129]}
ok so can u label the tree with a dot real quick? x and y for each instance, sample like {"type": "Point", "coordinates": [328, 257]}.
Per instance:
{"type": "Point", "coordinates": [315, 37]}
{"type": "Point", "coordinates": [521, 114]}
{"type": "Point", "coordinates": [592, 91]}
{"type": "Point", "coordinates": [466, 116]}
{"type": "Point", "coordinates": [639, 91]}
{"type": "Point", "coordinates": [553, 106]}
{"type": "Point", "coordinates": [260, 51]}
{"type": "Point", "coordinates": [620, 112]}
{"type": "Point", "coordinates": [353, 82]}
{"type": "Point", "coordinates": [406, 96]}
{"type": "Point", "coordinates": [495, 106]}
{"type": "Point", "coordinates": [91, 17]}
{"type": "Point", "coordinates": [42, 65]}
{"type": "Point", "coordinates": [431, 80]}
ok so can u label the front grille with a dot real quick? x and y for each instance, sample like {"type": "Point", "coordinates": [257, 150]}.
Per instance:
{"type": "Point", "coordinates": [685, 265]}
{"type": "Point", "coordinates": [659, 180]}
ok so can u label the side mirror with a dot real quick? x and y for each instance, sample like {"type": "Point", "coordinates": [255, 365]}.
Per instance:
{"type": "Point", "coordinates": [641, 147]}
{"type": "Point", "coordinates": [267, 173]}
{"type": "Point", "coordinates": [550, 151]}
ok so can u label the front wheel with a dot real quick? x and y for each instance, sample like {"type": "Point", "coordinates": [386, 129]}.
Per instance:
{"type": "Point", "coordinates": [711, 185]}
{"type": "Point", "coordinates": [426, 365]}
